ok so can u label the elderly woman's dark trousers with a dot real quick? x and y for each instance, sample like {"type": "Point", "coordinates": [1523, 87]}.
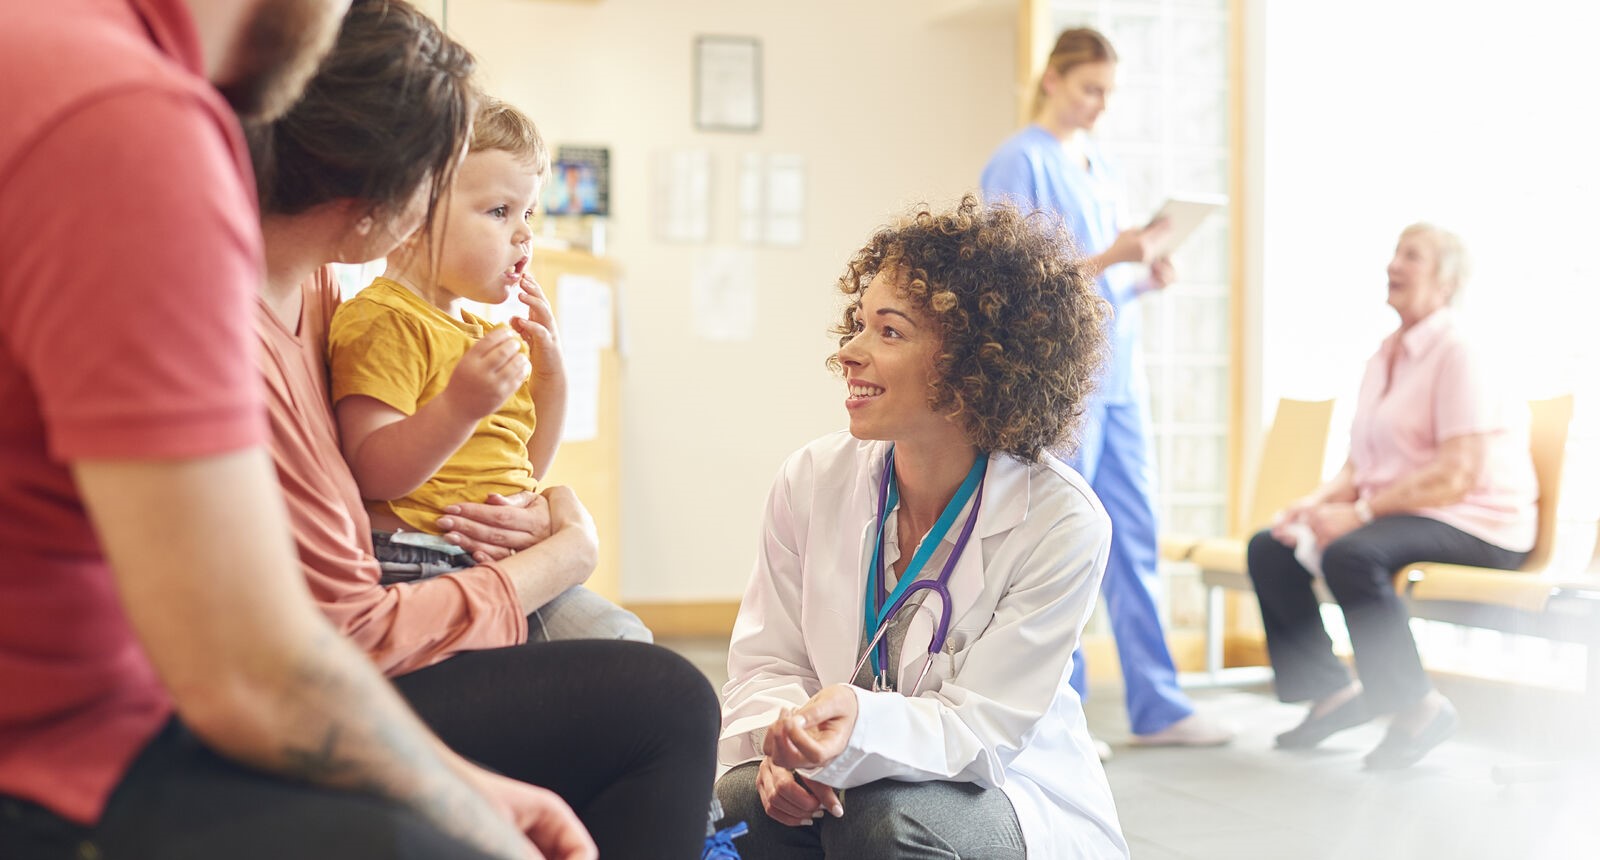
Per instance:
{"type": "Point", "coordinates": [1359, 569]}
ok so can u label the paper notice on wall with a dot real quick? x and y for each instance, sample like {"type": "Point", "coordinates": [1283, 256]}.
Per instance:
{"type": "Point", "coordinates": [583, 394]}
{"type": "Point", "coordinates": [772, 199]}
{"type": "Point", "coordinates": [786, 200]}
{"type": "Point", "coordinates": [586, 311]}
{"type": "Point", "coordinates": [723, 294]}
{"type": "Point", "coordinates": [683, 195]}
{"type": "Point", "coordinates": [752, 197]}
{"type": "Point", "coordinates": [585, 317]}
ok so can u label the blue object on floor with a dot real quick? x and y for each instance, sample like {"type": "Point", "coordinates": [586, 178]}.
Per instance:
{"type": "Point", "coordinates": [719, 845]}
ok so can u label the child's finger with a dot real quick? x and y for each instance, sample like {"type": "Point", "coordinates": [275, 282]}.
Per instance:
{"type": "Point", "coordinates": [538, 310]}
{"type": "Point", "coordinates": [502, 356]}
{"type": "Point", "coordinates": [534, 330]}
{"type": "Point", "coordinates": [531, 285]}
{"type": "Point", "coordinates": [513, 373]}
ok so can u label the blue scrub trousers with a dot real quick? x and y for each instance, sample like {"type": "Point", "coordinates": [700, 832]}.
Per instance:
{"type": "Point", "coordinates": [1115, 459]}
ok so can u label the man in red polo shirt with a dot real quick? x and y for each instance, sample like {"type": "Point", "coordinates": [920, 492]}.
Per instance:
{"type": "Point", "coordinates": [167, 687]}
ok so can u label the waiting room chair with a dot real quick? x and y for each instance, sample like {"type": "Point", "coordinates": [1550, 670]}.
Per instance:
{"type": "Point", "coordinates": [1292, 455]}
{"type": "Point", "coordinates": [1552, 601]}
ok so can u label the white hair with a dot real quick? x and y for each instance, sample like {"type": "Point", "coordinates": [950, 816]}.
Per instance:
{"type": "Point", "coordinates": [1450, 255]}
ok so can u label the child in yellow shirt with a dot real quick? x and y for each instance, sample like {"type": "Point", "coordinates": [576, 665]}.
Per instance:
{"type": "Point", "coordinates": [436, 405]}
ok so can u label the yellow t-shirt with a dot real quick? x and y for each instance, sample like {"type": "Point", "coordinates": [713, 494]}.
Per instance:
{"type": "Point", "coordinates": [388, 344]}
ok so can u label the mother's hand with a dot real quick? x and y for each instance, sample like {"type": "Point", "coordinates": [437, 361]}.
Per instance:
{"type": "Point", "coordinates": [497, 528]}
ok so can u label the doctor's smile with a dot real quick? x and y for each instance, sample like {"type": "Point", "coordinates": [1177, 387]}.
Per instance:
{"type": "Point", "coordinates": [861, 393]}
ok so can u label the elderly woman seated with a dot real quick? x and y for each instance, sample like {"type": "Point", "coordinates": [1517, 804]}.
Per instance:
{"type": "Point", "coordinates": [1438, 470]}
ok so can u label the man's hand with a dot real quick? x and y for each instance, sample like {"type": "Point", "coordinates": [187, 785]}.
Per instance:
{"type": "Point", "coordinates": [502, 525]}
{"type": "Point", "coordinates": [487, 375]}
{"type": "Point", "coordinates": [541, 814]}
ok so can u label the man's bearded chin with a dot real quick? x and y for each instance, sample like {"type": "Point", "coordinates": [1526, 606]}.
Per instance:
{"type": "Point", "coordinates": [278, 53]}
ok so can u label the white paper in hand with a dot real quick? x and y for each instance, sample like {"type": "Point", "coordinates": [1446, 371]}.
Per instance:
{"type": "Point", "coordinates": [1306, 550]}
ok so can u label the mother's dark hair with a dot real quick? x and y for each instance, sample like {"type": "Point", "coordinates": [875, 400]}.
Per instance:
{"type": "Point", "coordinates": [389, 108]}
{"type": "Point", "coordinates": [1022, 325]}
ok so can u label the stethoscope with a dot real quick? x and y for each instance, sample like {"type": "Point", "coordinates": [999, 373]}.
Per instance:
{"type": "Point", "coordinates": [879, 609]}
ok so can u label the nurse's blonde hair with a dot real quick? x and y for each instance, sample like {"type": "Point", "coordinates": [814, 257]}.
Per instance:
{"type": "Point", "coordinates": [1075, 47]}
{"type": "Point", "coordinates": [1450, 255]}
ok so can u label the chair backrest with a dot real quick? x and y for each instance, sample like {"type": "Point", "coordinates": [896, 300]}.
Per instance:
{"type": "Point", "coordinates": [1292, 455]}
{"type": "Point", "coordinates": [1547, 441]}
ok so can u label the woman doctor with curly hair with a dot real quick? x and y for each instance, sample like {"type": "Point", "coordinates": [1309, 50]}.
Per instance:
{"type": "Point", "coordinates": [923, 579]}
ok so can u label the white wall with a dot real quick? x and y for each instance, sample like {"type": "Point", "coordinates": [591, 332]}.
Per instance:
{"type": "Point", "coordinates": [886, 106]}
{"type": "Point", "coordinates": [1475, 116]}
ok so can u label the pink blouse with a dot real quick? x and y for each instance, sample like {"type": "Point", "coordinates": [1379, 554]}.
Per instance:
{"type": "Point", "coordinates": [1438, 392]}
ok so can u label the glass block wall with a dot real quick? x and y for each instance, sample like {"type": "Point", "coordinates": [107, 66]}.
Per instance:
{"type": "Point", "coordinates": [1167, 126]}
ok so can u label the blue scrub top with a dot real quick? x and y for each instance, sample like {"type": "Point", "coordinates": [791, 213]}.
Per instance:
{"type": "Point", "coordinates": [1031, 170]}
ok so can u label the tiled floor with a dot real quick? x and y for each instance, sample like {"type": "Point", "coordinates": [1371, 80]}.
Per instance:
{"type": "Point", "coordinates": [1248, 800]}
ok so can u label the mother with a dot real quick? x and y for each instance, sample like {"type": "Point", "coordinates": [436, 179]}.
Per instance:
{"type": "Point", "coordinates": [967, 350]}
{"type": "Point", "coordinates": [357, 165]}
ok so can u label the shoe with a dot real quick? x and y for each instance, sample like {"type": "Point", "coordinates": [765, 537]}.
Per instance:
{"type": "Point", "coordinates": [1194, 730]}
{"type": "Point", "coordinates": [1101, 749]}
{"type": "Point", "coordinates": [719, 845]}
{"type": "Point", "coordinates": [1399, 750]}
{"type": "Point", "coordinates": [1315, 730]}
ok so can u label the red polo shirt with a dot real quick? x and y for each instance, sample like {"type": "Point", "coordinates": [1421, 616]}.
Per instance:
{"type": "Point", "coordinates": [129, 258]}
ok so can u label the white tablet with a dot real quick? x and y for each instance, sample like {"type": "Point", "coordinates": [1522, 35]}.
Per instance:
{"type": "Point", "coordinates": [1185, 214]}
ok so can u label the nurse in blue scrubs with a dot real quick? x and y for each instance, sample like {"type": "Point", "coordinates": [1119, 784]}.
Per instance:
{"type": "Point", "coordinates": [1054, 165]}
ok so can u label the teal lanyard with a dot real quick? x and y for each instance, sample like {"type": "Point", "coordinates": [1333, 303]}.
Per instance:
{"type": "Point", "coordinates": [876, 607]}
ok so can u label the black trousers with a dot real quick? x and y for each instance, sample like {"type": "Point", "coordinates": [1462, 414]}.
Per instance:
{"type": "Point", "coordinates": [1359, 570]}
{"type": "Point", "coordinates": [180, 801]}
{"type": "Point", "coordinates": [625, 732]}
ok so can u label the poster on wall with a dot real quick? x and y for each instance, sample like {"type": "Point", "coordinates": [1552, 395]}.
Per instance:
{"type": "Point", "coordinates": [772, 199]}
{"type": "Point", "coordinates": [580, 182]}
{"type": "Point", "coordinates": [683, 195]}
{"type": "Point", "coordinates": [727, 83]}
{"type": "Point", "coordinates": [722, 294]}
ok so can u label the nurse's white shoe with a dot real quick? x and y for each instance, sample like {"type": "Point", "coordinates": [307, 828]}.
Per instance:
{"type": "Point", "coordinates": [1195, 730]}
{"type": "Point", "coordinates": [1101, 749]}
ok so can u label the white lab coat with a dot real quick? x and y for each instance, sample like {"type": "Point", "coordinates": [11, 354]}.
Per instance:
{"type": "Point", "coordinates": [996, 708]}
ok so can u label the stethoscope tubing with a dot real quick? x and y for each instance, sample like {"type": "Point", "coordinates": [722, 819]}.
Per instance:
{"type": "Point", "coordinates": [938, 586]}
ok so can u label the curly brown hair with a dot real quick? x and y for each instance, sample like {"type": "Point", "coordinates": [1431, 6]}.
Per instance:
{"type": "Point", "coordinates": [1023, 327]}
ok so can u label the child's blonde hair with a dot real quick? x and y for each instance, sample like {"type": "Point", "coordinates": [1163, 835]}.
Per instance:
{"type": "Point", "coordinates": [499, 126]}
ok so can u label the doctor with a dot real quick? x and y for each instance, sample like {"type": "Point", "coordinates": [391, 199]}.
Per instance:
{"type": "Point", "coordinates": [923, 579]}
{"type": "Point", "coordinates": [1054, 165]}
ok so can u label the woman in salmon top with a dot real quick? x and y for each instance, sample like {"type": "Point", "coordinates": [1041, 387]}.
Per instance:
{"type": "Point", "coordinates": [1438, 470]}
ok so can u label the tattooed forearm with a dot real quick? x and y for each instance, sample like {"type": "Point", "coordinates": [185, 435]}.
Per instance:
{"type": "Point", "coordinates": [352, 731]}
{"type": "Point", "coordinates": [319, 765]}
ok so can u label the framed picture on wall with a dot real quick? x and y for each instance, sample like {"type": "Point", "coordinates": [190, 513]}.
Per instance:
{"type": "Point", "coordinates": [580, 183]}
{"type": "Point", "coordinates": [727, 83]}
